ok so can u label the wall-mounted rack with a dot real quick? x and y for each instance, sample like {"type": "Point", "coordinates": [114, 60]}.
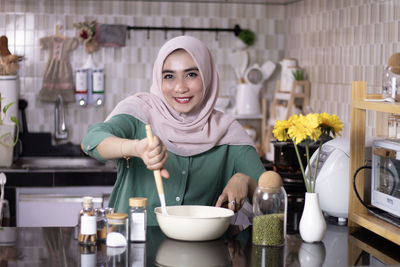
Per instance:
{"type": "Point", "coordinates": [236, 29]}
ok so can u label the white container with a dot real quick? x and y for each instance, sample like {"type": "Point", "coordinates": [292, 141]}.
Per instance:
{"type": "Point", "coordinates": [117, 230]}
{"type": "Point", "coordinates": [9, 90]}
{"type": "Point", "coordinates": [98, 81]}
{"type": "Point", "coordinates": [137, 219]}
{"type": "Point", "coordinates": [247, 99]}
{"type": "Point", "coordinates": [7, 131]}
{"type": "Point", "coordinates": [312, 225]}
{"type": "Point", "coordinates": [81, 84]}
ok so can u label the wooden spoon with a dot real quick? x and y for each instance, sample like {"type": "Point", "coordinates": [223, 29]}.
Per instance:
{"type": "Point", "coordinates": [157, 174]}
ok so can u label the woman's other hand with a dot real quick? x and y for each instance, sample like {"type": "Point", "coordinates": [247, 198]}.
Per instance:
{"type": "Point", "coordinates": [154, 156]}
{"type": "Point", "coordinates": [236, 191]}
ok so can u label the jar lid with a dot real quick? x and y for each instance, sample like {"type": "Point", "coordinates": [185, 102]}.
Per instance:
{"type": "Point", "coordinates": [138, 202]}
{"type": "Point", "coordinates": [117, 216]}
{"type": "Point", "coordinates": [394, 63]}
{"type": "Point", "coordinates": [87, 201]}
{"type": "Point", "coordinates": [270, 179]}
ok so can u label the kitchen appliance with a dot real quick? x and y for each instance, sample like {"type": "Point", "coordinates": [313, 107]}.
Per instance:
{"type": "Point", "coordinates": [385, 184]}
{"type": "Point", "coordinates": [332, 182]}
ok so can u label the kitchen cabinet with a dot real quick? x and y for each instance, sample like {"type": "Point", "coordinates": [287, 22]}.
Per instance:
{"type": "Point", "coordinates": [358, 215]}
{"type": "Point", "coordinates": [40, 191]}
{"type": "Point", "coordinates": [56, 206]}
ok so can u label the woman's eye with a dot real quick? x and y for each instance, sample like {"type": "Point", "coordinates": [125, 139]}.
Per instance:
{"type": "Point", "coordinates": [168, 76]}
{"type": "Point", "coordinates": [192, 74]}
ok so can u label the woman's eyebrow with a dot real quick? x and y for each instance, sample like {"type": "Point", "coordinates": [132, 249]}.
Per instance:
{"type": "Point", "coordinates": [186, 70]}
{"type": "Point", "coordinates": [167, 71]}
{"type": "Point", "coordinates": [192, 69]}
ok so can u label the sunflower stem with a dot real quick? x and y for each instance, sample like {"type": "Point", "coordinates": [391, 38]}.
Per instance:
{"type": "Point", "coordinates": [301, 166]}
{"type": "Point", "coordinates": [317, 163]}
{"type": "Point", "coordinates": [309, 166]}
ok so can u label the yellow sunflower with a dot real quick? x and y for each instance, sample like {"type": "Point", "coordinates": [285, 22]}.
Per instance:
{"type": "Point", "coordinates": [304, 127]}
{"type": "Point", "coordinates": [280, 130]}
{"type": "Point", "coordinates": [330, 124]}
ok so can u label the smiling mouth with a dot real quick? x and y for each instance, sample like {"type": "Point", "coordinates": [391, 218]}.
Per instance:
{"type": "Point", "coordinates": [182, 100]}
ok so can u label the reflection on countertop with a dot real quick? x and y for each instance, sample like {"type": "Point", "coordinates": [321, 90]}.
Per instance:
{"type": "Point", "coordinates": [57, 246]}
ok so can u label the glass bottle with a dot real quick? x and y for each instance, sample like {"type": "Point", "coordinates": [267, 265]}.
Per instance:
{"type": "Point", "coordinates": [398, 127]}
{"type": "Point", "coordinates": [392, 127]}
{"type": "Point", "coordinates": [137, 219]}
{"type": "Point", "coordinates": [391, 83]}
{"type": "Point", "coordinates": [87, 222]}
{"type": "Point", "coordinates": [117, 229]}
{"type": "Point", "coordinates": [101, 221]}
{"type": "Point", "coordinates": [269, 211]}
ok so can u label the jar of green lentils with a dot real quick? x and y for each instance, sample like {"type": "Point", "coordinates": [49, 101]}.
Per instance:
{"type": "Point", "coordinates": [269, 211]}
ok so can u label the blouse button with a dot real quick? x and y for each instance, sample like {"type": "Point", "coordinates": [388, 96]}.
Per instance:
{"type": "Point", "coordinates": [177, 198]}
{"type": "Point", "coordinates": [183, 172]}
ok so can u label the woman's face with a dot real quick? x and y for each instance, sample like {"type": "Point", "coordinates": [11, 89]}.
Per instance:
{"type": "Point", "coordinates": [181, 85]}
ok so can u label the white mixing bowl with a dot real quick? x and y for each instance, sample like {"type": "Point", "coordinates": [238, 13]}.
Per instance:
{"type": "Point", "coordinates": [194, 223]}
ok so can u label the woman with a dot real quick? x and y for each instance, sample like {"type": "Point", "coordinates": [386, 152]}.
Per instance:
{"type": "Point", "coordinates": [207, 156]}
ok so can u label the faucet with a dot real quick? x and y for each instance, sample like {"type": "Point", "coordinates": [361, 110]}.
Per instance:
{"type": "Point", "coordinates": [61, 131]}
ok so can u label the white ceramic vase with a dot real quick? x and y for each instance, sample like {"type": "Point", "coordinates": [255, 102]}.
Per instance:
{"type": "Point", "coordinates": [312, 223]}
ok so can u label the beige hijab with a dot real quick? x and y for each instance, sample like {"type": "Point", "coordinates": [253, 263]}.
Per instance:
{"type": "Point", "coordinates": [190, 133]}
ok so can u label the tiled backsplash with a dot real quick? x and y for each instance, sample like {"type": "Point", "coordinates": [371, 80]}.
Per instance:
{"type": "Point", "coordinates": [128, 70]}
{"type": "Point", "coordinates": [340, 41]}
{"type": "Point", "coordinates": [336, 41]}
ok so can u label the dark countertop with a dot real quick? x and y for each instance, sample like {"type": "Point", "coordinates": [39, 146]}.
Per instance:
{"type": "Point", "coordinates": [57, 247]}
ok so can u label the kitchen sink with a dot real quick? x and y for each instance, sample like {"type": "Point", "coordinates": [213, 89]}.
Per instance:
{"type": "Point", "coordinates": [61, 163]}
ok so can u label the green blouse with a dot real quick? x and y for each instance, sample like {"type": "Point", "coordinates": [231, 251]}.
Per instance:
{"type": "Point", "coordinates": [194, 180]}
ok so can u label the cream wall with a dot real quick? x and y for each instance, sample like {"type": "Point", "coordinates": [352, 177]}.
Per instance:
{"type": "Point", "coordinates": [336, 41]}
{"type": "Point", "coordinates": [128, 69]}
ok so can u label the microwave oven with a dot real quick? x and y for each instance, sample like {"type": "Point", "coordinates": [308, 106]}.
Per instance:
{"type": "Point", "coordinates": [385, 182]}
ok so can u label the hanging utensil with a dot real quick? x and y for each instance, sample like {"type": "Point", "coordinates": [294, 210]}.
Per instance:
{"type": "Point", "coordinates": [3, 181]}
{"type": "Point", "coordinates": [239, 61]}
{"type": "Point", "coordinates": [157, 174]}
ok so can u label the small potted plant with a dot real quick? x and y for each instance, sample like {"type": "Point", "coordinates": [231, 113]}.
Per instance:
{"type": "Point", "coordinates": [8, 137]}
{"type": "Point", "coordinates": [245, 38]}
{"type": "Point", "coordinates": [299, 75]}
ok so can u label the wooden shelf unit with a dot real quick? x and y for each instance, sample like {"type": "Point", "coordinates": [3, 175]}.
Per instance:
{"type": "Point", "coordinates": [289, 97]}
{"type": "Point", "coordinates": [378, 247]}
{"type": "Point", "coordinates": [358, 215]}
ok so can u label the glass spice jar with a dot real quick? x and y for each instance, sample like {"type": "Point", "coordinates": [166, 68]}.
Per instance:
{"type": "Point", "coordinates": [391, 83]}
{"type": "Point", "coordinates": [101, 221]}
{"type": "Point", "coordinates": [397, 127]}
{"type": "Point", "coordinates": [117, 229]}
{"type": "Point", "coordinates": [392, 127]}
{"type": "Point", "coordinates": [269, 211]}
{"type": "Point", "coordinates": [87, 223]}
{"type": "Point", "coordinates": [137, 219]}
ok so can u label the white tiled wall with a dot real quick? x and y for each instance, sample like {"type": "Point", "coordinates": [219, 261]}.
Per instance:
{"type": "Point", "coordinates": [340, 41]}
{"type": "Point", "coordinates": [336, 41]}
{"type": "Point", "coordinates": [128, 69]}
